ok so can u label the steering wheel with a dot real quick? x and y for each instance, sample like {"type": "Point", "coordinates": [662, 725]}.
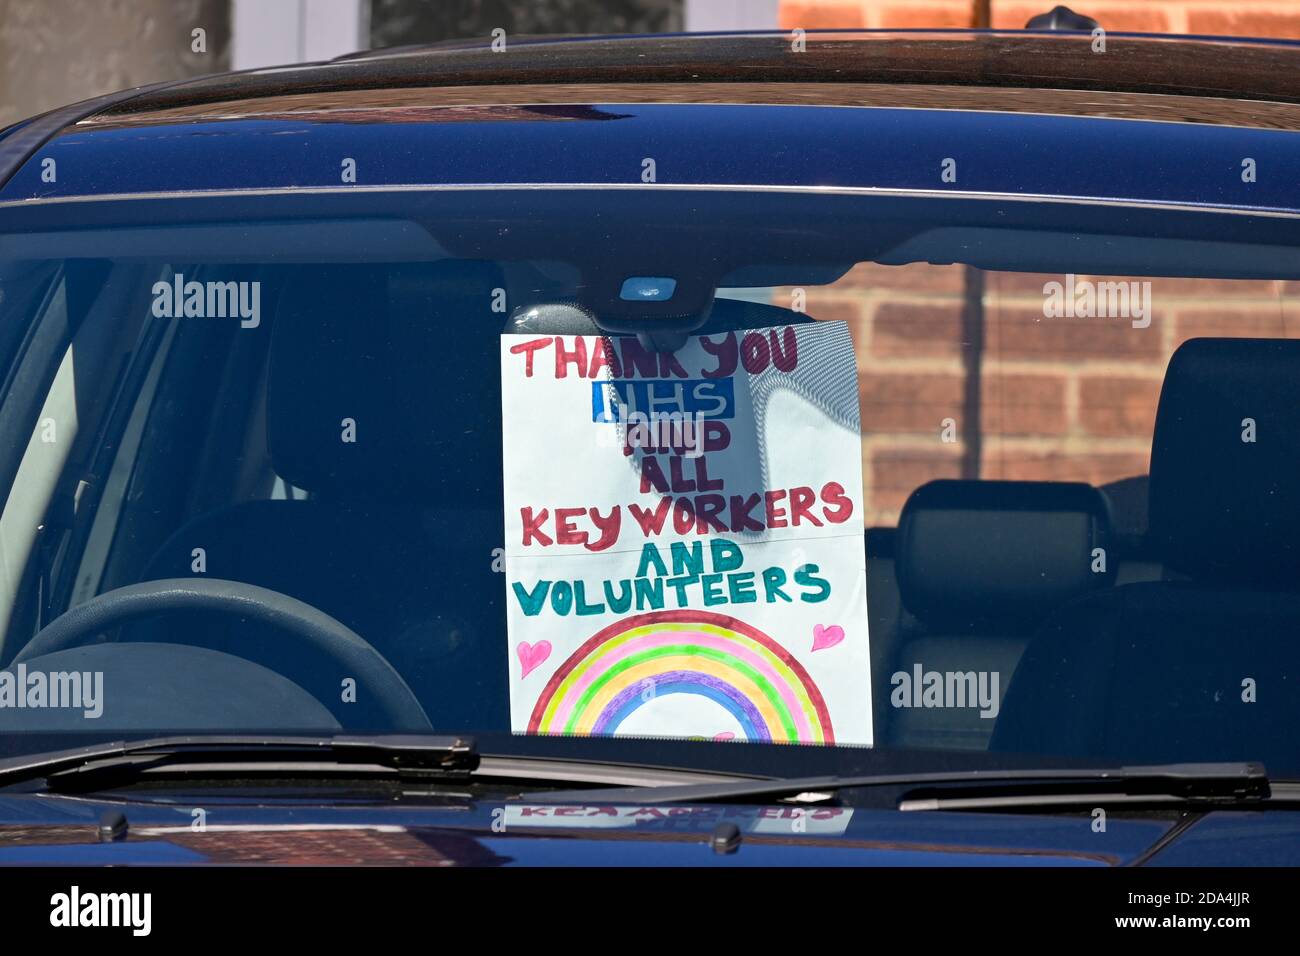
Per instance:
{"type": "Point", "coordinates": [310, 625]}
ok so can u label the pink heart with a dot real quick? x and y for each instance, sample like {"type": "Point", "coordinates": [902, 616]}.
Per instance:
{"type": "Point", "coordinates": [824, 637]}
{"type": "Point", "coordinates": [725, 735]}
{"type": "Point", "coordinates": [532, 656]}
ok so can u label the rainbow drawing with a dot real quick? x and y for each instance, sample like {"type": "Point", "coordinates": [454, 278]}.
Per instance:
{"type": "Point", "coordinates": [649, 656]}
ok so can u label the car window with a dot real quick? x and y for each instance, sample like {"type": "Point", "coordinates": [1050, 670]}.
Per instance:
{"type": "Point", "coordinates": [1034, 451]}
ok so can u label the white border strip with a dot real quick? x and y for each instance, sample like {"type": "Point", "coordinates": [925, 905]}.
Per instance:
{"type": "Point", "coordinates": [400, 188]}
{"type": "Point", "coordinates": [265, 33]}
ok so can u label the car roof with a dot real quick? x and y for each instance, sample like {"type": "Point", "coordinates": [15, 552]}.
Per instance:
{"type": "Point", "coordinates": [1248, 68]}
{"type": "Point", "coordinates": [424, 108]}
{"type": "Point", "coordinates": [1190, 66]}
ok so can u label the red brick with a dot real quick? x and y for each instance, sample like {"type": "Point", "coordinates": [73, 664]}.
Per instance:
{"type": "Point", "coordinates": [1096, 468]}
{"type": "Point", "coordinates": [1028, 334]}
{"type": "Point", "coordinates": [908, 402]}
{"type": "Point", "coordinates": [1118, 406]}
{"type": "Point", "coordinates": [819, 16]}
{"type": "Point", "coordinates": [896, 472]}
{"type": "Point", "coordinates": [1232, 289]}
{"type": "Point", "coordinates": [1264, 321]}
{"type": "Point", "coordinates": [824, 308]}
{"type": "Point", "coordinates": [907, 329]}
{"type": "Point", "coordinates": [913, 277]}
{"type": "Point", "coordinates": [956, 13]}
{"type": "Point", "coordinates": [825, 305]}
{"type": "Point", "coordinates": [1023, 404]}
{"type": "Point", "coordinates": [1019, 283]}
{"type": "Point", "coordinates": [1244, 23]}
{"type": "Point", "coordinates": [1162, 287]}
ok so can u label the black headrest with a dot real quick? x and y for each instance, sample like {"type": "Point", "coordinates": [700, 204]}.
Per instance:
{"type": "Point", "coordinates": [725, 315]}
{"type": "Point", "coordinates": [999, 551]}
{"type": "Point", "coordinates": [411, 354]}
{"type": "Point", "coordinates": [1224, 509]}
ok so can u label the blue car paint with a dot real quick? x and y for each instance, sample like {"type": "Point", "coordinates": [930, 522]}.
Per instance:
{"type": "Point", "coordinates": [809, 146]}
{"type": "Point", "coordinates": [40, 829]}
{"type": "Point", "coordinates": [55, 830]}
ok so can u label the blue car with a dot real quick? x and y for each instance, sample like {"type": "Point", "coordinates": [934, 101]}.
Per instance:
{"type": "Point", "coordinates": [870, 449]}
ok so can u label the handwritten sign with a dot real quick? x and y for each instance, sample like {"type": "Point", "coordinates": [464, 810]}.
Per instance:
{"type": "Point", "coordinates": [684, 542]}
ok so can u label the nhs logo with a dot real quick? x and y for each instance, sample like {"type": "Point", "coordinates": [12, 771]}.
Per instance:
{"type": "Point", "coordinates": [667, 399]}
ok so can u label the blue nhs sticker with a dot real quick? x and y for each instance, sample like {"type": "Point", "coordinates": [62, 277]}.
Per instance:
{"type": "Point", "coordinates": [707, 398]}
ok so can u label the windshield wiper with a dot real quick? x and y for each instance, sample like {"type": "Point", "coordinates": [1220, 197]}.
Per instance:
{"type": "Point", "coordinates": [1227, 781]}
{"type": "Point", "coordinates": [456, 758]}
{"type": "Point", "coordinates": [412, 755]}
{"type": "Point", "coordinates": [407, 757]}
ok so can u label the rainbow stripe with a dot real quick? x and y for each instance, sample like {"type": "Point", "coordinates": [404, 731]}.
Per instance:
{"type": "Point", "coordinates": [648, 656]}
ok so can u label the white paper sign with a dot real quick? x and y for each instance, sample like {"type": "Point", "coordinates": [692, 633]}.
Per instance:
{"type": "Point", "coordinates": [684, 537]}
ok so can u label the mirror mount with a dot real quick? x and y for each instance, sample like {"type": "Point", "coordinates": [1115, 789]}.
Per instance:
{"type": "Point", "coordinates": [661, 310]}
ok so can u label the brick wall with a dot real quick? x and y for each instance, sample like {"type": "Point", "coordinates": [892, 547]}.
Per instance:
{"type": "Point", "coordinates": [1060, 399]}
{"type": "Point", "coordinates": [1271, 18]}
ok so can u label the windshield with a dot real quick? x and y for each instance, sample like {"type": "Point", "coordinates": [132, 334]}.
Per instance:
{"type": "Point", "coordinates": [414, 467]}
